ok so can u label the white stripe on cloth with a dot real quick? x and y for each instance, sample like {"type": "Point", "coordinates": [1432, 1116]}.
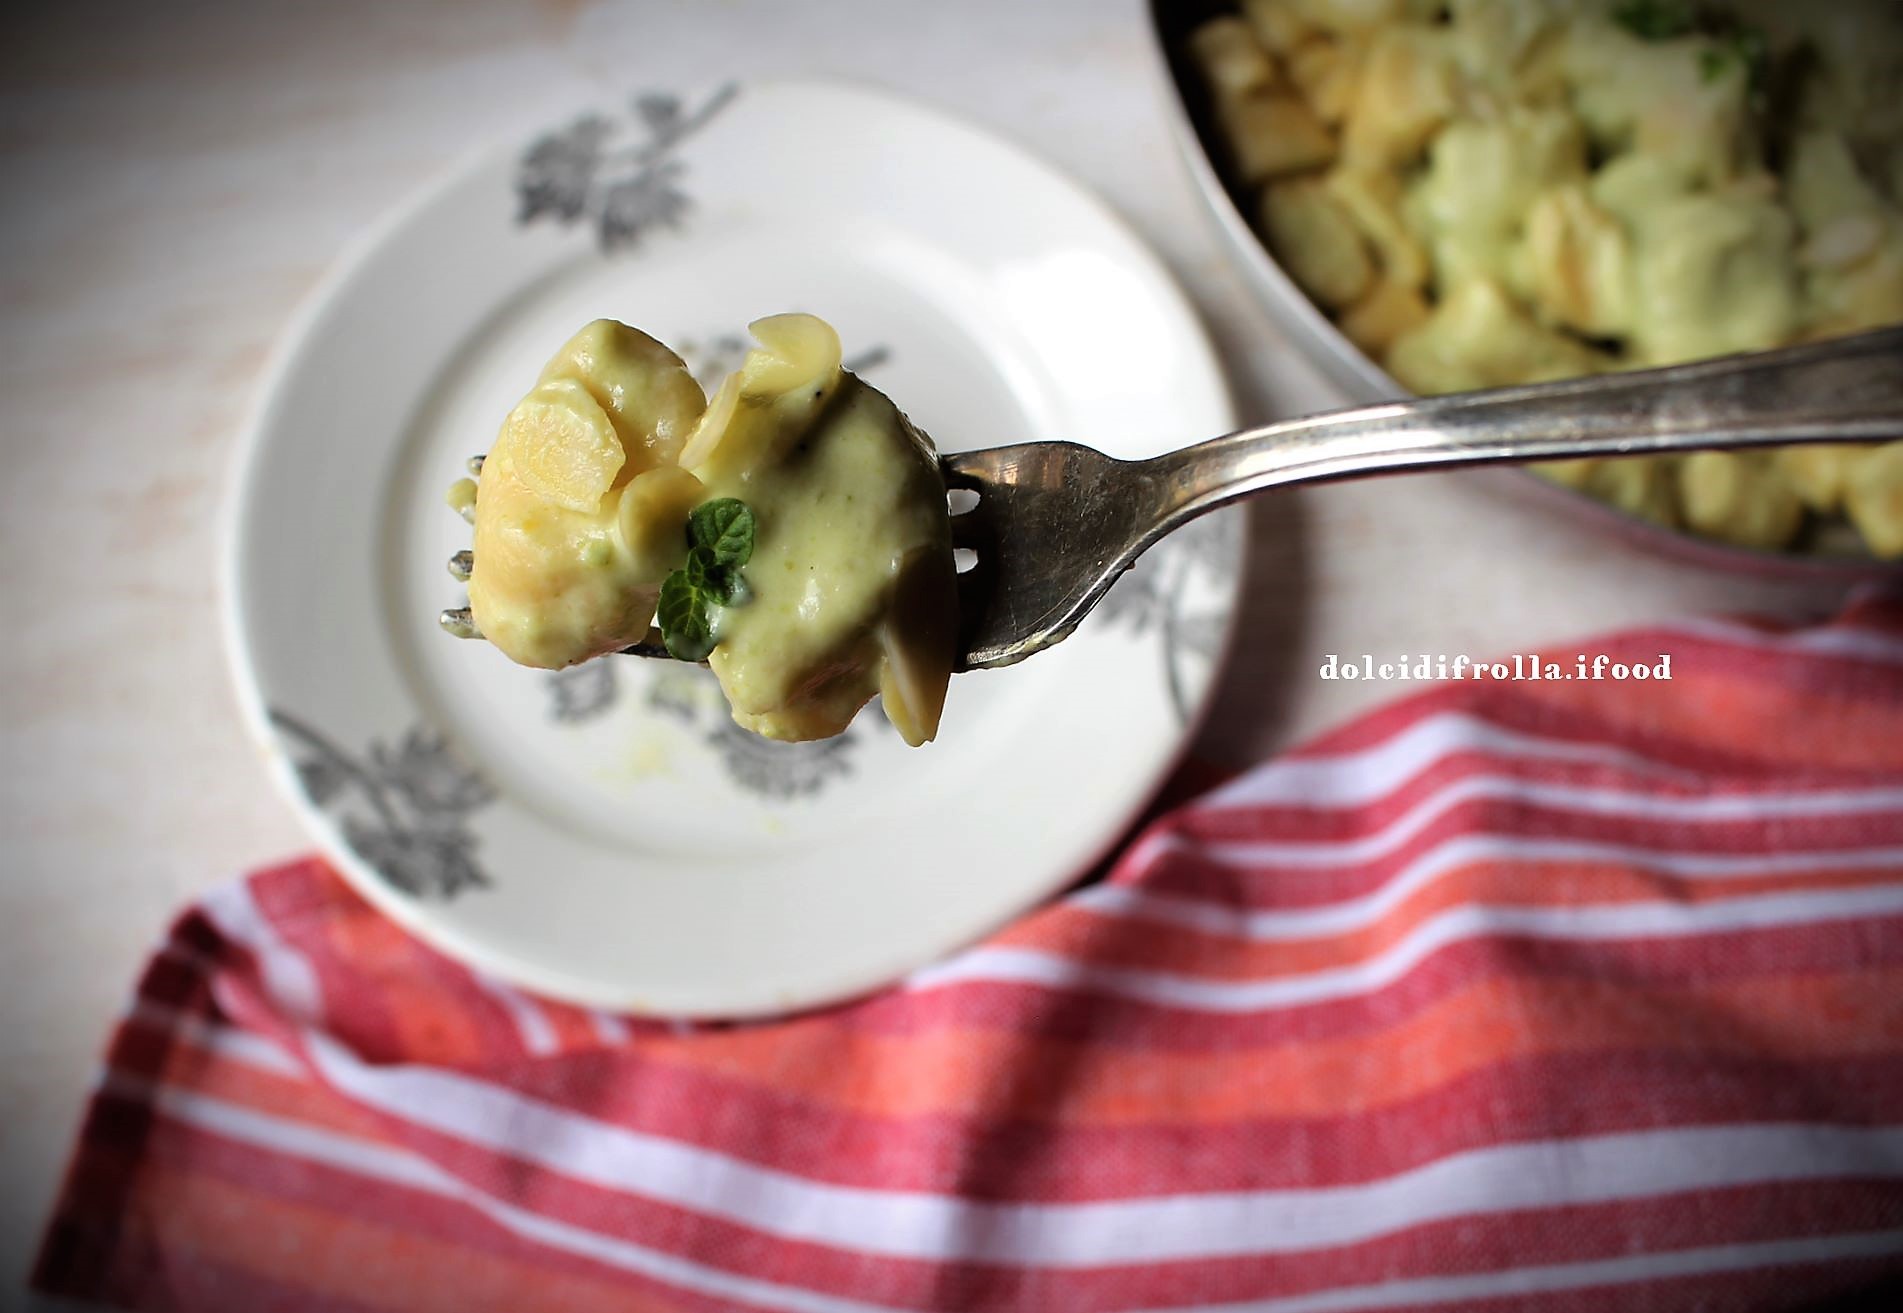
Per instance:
{"type": "Point", "coordinates": [609, 1028]}
{"type": "Point", "coordinates": [919, 1225]}
{"type": "Point", "coordinates": [1616, 921]}
{"type": "Point", "coordinates": [1354, 778]}
{"type": "Point", "coordinates": [1554, 1278]}
{"type": "Point", "coordinates": [241, 1046]}
{"type": "Point", "coordinates": [1861, 644]}
{"type": "Point", "coordinates": [288, 978]}
{"type": "Point", "coordinates": [1617, 804]}
{"type": "Point", "coordinates": [1455, 854]}
{"type": "Point", "coordinates": [532, 1027]}
{"type": "Point", "coordinates": [1692, 865]}
{"type": "Point", "coordinates": [393, 1166]}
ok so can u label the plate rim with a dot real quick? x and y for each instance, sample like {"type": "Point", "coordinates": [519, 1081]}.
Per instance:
{"type": "Point", "coordinates": [340, 280]}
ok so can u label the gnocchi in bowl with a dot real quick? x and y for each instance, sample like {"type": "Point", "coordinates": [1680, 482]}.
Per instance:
{"type": "Point", "coordinates": [1480, 193]}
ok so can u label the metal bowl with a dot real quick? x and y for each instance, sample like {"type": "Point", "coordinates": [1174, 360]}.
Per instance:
{"type": "Point", "coordinates": [1360, 378]}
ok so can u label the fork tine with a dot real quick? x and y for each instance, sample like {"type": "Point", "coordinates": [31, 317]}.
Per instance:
{"type": "Point", "coordinates": [475, 467]}
{"type": "Point", "coordinates": [459, 622]}
{"type": "Point", "coordinates": [461, 565]}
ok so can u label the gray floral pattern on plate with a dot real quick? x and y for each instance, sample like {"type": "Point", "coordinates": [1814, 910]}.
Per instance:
{"type": "Point", "coordinates": [581, 693]}
{"type": "Point", "coordinates": [584, 171]}
{"type": "Point", "coordinates": [1162, 591]}
{"type": "Point", "coordinates": [761, 766]}
{"type": "Point", "coordinates": [403, 809]}
{"type": "Point", "coordinates": [691, 695]}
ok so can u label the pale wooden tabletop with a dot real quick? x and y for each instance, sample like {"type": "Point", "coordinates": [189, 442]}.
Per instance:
{"type": "Point", "coordinates": [173, 181]}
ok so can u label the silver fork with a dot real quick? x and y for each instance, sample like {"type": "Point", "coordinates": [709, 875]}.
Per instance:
{"type": "Point", "coordinates": [1055, 523]}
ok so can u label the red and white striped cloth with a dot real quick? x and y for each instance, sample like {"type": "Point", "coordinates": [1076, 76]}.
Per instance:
{"type": "Point", "coordinates": [1543, 996]}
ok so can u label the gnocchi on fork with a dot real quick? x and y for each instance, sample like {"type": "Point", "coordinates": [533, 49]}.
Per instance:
{"type": "Point", "coordinates": [834, 579]}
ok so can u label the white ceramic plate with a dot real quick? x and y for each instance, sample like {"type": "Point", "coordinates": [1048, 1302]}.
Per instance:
{"type": "Point", "coordinates": [606, 835]}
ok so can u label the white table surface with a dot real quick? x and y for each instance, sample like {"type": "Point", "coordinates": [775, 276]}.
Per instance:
{"type": "Point", "coordinates": [173, 181]}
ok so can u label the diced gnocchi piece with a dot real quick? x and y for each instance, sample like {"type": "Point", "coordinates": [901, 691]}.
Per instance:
{"type": "Point", "coordinates": [1679, 100]}
{"type": "Point", "coordinates": [1326, 72]}
{"type": "Point", "coordinates": [1479, 338]}
{"type": "Point", "coordinates": [1825, 186]}
{"type": "Point", "coordinates": [1373, 200]}
{"type": "Point", "coordinates": [1383, 314]}
{"type": "Point", "coordinates": [1867, 295]}
{"type": "Point", "coordinates": [1874, 499]}
{"type": "Point", "coordinates": [1578, 263]}
{"type": "Point", "coordinates": [1272, 134]}
{"type": "Point", "coordinates": [1316, 241]}
{"type": "Point", "coordinates": [1637, 485]}
{"type": "Point", "coordinates": [1574, 473]}
{"type": "Point", "coordinates": [1852, 255]}
{"type": "Point", "coordinates": [1406, 91]}
{"type": "Point", "coordinates": [1278, 24]}
{"type": "Point", "coordinates": [1347, 17]}
{"type": "Point", "coordinates": [1481, 180]}
{"type": "Point", "coordinates": [1493, 40]}
{"type": "Point", "coordinates": [1630, 186]}
{"type": "Point", "coordinates": [1818, 472]}
{"type": "Point", "coordinates": [1842, 244]}
{"type": "Point", "coordinates": [1713, 275]}
{"type": "Point", "coordinates": [1232, 60]}
{"type": "Point", "coordinates": [1737, 498]}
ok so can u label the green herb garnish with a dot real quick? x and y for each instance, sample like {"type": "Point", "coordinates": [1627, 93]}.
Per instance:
{"type": "Point", "coordinates": [719, 542]}
{"type": "Point", "coordinates": [725, 527]}
{"type": "Point", "coordinates": [1655, 20]}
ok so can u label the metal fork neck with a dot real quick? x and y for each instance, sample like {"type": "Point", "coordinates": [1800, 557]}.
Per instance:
{"type": "Point", "coordinates": [1846, 390]}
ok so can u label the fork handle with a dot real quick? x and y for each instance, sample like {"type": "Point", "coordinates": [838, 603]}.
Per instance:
{"type": "Point", "coordinates": [1846, 390]}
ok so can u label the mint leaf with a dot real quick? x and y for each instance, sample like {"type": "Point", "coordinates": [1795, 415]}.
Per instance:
{"type": "Point", "coordinates": [682, 616]}
{"type": "Point", "coordinates": [714, 582]}
{"type": "Point", "coordinates": [724, 527]}
{"type": "Point", "coordinates": [720, 537]}
{"type": "Point", "coordinates": [1655, 20]}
